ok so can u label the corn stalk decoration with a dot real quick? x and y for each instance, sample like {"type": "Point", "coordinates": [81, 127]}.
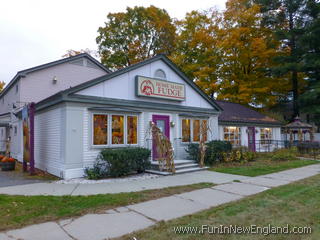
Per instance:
{"type": "Point", "coordinates": [164, 149]}
{"type": "Point", "coordinates": [204, 128]}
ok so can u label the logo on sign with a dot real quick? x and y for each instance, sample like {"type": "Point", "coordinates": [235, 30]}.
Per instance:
{"type": "Point", "coordinates": [147, 87]}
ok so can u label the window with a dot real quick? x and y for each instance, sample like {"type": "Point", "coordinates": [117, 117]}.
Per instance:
{"type": "Point", "coordinates": [192, 129]}
{"type": "Point", "coordinates": [233, 135]}
{"type": "Point", "coordinates": [100, 129]}
{"type": "Point", "coordinates": [196, 130]}
{"type": "Point", "coordinates": [114, 129]}
{"type": "Point", "coordinates": [17, 88]}
{"type": "Point", "coordinates": [117, 129]}
{"type": "Point", "coordinates": [186, 130]}
{"type": "Point", "coordinates": [204, 129]}
{"type": "Point", "coordinates": [15, 130]}
{"type": "Point", "coordinates": [265, 135]}
{"type": "Point", "coordinates": [160, 74]}
{"type": "Point", "coordinates": [132, 129]}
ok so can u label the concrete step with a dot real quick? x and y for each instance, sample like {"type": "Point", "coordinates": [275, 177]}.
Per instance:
{"type": "Point", "coordinates": [187, 170]}
{"type": "Point", "coordinates": [178, 171]}
{"type": "Point", "coordinates": [189, 165]}
{"type": "Point", "coordinates": [176, 162]}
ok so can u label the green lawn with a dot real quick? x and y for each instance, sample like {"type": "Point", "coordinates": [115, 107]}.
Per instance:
{"type": "Point", "coordinates": [260, 167]}
{"type": "Point", "coordinates": [296, 204]}
{"type": "Point", "coordinates": [18, 211]}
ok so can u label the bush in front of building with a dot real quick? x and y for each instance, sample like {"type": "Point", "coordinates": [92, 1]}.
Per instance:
{"type": "Point", "coordinates": [285, 154]}
{"type": "Point", "coordinates": [240, 154]}
{"type": "Point", "coordinates": [99, 170]}
{"type": "Point", "coordinates": [214, 152]}
{"type": "Point", "coordinates": [119, 162]}
{"type": "Point", "coordinates": [310, 149]}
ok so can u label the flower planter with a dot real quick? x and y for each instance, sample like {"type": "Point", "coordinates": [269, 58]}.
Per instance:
{"type": "Point", "coordinates": [8, 166]}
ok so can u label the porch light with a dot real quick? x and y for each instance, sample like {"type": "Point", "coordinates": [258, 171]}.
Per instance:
{"type": "Point", "coordinates": [54, 80]}
{"type": "Point", "coordinates": [172, 124]}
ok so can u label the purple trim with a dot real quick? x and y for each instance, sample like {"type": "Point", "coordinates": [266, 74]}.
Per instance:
{"type": "Point", "coordinates": [252, 143]}
{"type": "Point", "coordinates": [31, 117]}
{"type": "Point", "coordinates": [166, 130]}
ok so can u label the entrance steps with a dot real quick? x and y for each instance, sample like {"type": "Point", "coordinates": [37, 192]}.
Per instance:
{"type": "Point", "coordinates": [181, 166]}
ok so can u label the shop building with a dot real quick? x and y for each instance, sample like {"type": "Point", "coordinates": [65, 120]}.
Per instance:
{"type": "Point", "coordinates": [82, 107]}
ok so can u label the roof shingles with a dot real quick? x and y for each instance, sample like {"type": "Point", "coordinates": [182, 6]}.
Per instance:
{"type": "Point", "coordinates": [234, 112]}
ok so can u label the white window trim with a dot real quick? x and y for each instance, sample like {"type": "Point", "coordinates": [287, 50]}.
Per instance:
{"type": "Point", "coordinates": [191, 129]}
{"type": "Point", "coordinates": [234, 139]}
{"type": "Point", "coordinates": [109, 136]}
{"type": "Point", "coordinates": [159, 69]}
{"type": "Point", "coordinates": [271, 134]}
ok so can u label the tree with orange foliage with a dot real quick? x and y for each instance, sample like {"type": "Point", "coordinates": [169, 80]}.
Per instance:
{"type": "Point", "coordinates": [196, 52]}
{"type": "Point", "coordinates": [248, 52]}
{"type": "Point", "coordinates": [2, 85]}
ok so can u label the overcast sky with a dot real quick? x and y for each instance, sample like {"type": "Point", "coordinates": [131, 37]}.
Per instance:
{"type": "Point", "coordinates": [35, 32]}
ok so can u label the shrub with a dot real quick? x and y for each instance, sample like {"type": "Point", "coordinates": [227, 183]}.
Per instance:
{"type": "Point", "coordinates": [99, 170]}
{"type": "Point", "coordinates": [193, 151]}
{"type": "Point", "coordinates": [123, 161]}
{"type": "Point", "coordinates": [284, 154]}
{"type": "Point", "coordinates": [240, 154]}
{"type": "Point", "coordinates": [309, 148]}
{"type": "Point", "coordinates": [214, 152]}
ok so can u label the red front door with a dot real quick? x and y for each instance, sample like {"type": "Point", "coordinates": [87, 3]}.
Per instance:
{"type": "Point", "coordinates": [162, 123]}
{"type": "Point", "coordinates": [252, 138]}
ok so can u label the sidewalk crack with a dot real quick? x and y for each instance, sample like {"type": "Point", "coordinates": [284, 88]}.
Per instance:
{"type": "Point", "coordinates": [62, 228]}
{"type": "Point", "coordinates": [152, 219]}
{"type": "Point", "coordinates": [74, 189]}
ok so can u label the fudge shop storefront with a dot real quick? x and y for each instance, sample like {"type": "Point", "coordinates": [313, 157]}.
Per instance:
{"type": "Point", "coordinates": [117, 109]}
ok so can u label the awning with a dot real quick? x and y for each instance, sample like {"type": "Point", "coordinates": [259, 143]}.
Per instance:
{"type": "Point", "coordinates": [194, 115]}
{"type": "Point", "coordinates": [4, 124]}
{"type": "Point", "coordinates": [114, 109]}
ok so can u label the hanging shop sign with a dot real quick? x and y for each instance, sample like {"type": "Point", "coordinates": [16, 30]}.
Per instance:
{"type": "Point", "coordinates": [155, 88]}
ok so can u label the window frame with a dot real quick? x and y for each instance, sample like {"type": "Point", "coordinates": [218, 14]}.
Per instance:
{"type": "Point", "coordinates": [164, 73]}
{"type": "Point", "coordinates": [109, 131]}
{"type": "Point", "coordinates": [234, 139]}
{"type": "Point", "coordinates": [191, 129]}
{"type": "Point", "coordinates": [265, 140]}
{"type": "Point", "coordinates": [126, 128]}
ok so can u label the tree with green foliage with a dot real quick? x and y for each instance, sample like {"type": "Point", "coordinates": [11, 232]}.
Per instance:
{"type": "Point", "coordinates": [310, 99]}
{"type": "Point", "coordinates": [288, 20]}
{"type": "Point", "coordinates": [135, 35]}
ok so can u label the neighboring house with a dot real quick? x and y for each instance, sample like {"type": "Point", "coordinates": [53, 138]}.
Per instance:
{"type": "Point", "coordinates": [116, 110]}
{"type": "Point", "coordinates": [37, 83]}
{"type": "Point", "coordinates": [243, 126]}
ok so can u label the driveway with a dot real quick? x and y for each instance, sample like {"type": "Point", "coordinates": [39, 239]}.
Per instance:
{"type": "Point", "coordinates": [13, 178]}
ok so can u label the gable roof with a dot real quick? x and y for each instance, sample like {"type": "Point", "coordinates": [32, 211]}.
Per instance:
{"type": "Point", "coordinates": [140, 64]}
{"type": "Point", "coordinates": [24, 72]}
{"type": "Point", "coordinates": [237, 113]}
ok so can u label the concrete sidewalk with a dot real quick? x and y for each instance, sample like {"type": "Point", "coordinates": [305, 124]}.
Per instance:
{"type": "Point", "coordinates": [58, 189]}
{"type": "Point", "coordinates": [124, 220]}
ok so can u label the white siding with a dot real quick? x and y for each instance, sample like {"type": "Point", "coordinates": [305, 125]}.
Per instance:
{"type": "Point", "coordinates": [16, 138]}
{"type": "Point", "coordinates": [49, 141]}
{"type": "Point", "coordinates": [11, 96]}
{"type": "Point", "coordinates": [276, 134]}
{"type": "Point", "coordinates": [67, 74]}
{"type": "Point", "coordinates": [123, 87]}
